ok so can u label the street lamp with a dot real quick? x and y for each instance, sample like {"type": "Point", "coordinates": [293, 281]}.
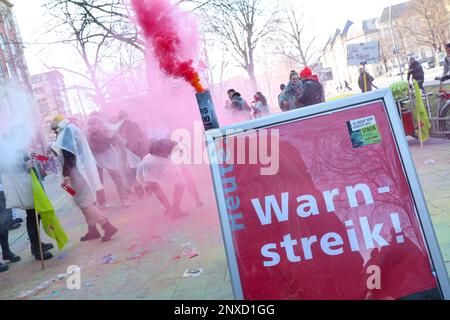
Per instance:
{"type": "Point", "coordinates": [395, 43]}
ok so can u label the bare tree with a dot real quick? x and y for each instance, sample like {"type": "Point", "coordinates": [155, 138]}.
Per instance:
{"type": "Point", "coordinates": [387, 51]}
{"type": "Point", "coordinates": [111, 16]}
{"type": "Point", "coordinates": [297, 43]}
{"type": "Point", "coordinates": [428, 23]}
{"type": "Point", "coordinates": [241, 25]}
{"type": "Point", "coordinates": [403, 39]}
{"type": "Point", "coordinates": [88, 41]}
{"type": "Point", "coordinates": [107, 42]}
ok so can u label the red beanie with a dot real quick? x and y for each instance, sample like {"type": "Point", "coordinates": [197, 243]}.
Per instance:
{"type": "Point", "coordinates": [306, 73]}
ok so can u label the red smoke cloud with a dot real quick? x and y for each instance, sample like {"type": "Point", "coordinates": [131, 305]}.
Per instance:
{"type": "Point", "coordinates": [159, 26]}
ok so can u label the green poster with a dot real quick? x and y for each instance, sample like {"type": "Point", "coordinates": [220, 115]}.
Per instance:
{"type": "Point", "coordinates": [364, 132]}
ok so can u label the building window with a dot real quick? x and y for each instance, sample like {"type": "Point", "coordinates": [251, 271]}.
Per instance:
{"type": "Point", "coordinates": [36, 79]}
{"type": "Point", "coordinates": [39, 90]}
{"type": "Point", "coordinates": [4, 49]}
{"type": "Point", "coordinates": [8, 58]}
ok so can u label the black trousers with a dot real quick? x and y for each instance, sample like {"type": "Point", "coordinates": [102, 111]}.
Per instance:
{"type": "Point", "coordinates": [5, 222]}
{"type": "Point", "coordinates": [33, 231]}
{"type": "Point", "coordinates": [421, 85]}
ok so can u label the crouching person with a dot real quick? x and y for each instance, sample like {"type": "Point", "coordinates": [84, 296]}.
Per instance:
{"type": "Point", "coordinates": [80, 173]}
{"type": "Point", "coordinates": [157, 170]}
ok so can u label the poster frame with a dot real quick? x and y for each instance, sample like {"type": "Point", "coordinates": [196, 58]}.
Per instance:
{"type": "Point", "coordinates": [362, 100]}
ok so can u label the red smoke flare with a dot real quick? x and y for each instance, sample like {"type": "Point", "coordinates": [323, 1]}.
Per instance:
{"type": "Point", "coordinates": [159, 27]}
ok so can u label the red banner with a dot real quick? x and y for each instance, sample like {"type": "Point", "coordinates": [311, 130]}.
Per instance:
{"type": "Point", "coordinates": [337, 221]}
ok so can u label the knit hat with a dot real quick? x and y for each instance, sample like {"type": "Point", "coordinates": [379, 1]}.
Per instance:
{"type": "Point", "coordinates": [306, 73]}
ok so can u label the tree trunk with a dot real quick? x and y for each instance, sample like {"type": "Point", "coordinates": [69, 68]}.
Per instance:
{"type": "Point", "coordinates": [251, 74]}
{"type": "Point", "coordinates": [251, 70]}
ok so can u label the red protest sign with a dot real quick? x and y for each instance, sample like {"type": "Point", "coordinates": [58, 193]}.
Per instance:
{"type": "Point", "coordinates": [336, 221]}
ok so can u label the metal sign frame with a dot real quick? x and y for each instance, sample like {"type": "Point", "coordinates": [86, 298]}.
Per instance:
{"type": "Point", "coordinates": [385, 96]}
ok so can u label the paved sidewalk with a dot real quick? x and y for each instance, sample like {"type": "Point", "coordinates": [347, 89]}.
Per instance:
{"type": "Point", "coordinates": [143, 265]}
{"type": "Point", "coordinates": [433, 167]}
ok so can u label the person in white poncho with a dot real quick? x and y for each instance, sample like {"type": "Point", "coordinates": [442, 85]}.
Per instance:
{"type": "Point", "coordinates": [109, 153]}
{"type": "Point", "coordinates": [15, 165]}
{"type": "Point", "coordinates": [157, 170]}
{"type": "Point", "coordinates": [80, 172]}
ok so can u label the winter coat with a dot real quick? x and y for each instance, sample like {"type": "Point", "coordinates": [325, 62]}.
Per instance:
{"type": "Point", "coordinates": [291, 95]}
{"type": "Point", "coordinates": [239, 104]}
{"type": "Point", "coordinates": [416, 71]}
{"type": "Point", "coordinates": [369, 80]}
{"type": "Point", "coordinates": [312, 93]}
{"type": "Point", "coordinates": [446, 66]}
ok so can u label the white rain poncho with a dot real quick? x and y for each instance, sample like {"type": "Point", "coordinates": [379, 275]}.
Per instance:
{"type": "Point", "coordinates": [132, 159]}
{"type": "Point", "coordinates": [115, 157]}
{"type": "Point", "coordinates": [161, 170]}
{"type": "Point", "coordinates": [15, 149]}
{"type": "Point", "coordinates": [111, 158]}
{"type": "Point", "coordinates": [17, 185]}
{"type": "Point", "coordinates": [84, 177]}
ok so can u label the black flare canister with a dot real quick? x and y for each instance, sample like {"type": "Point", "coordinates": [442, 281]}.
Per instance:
{"type": "Point", "coordinates": [207, 110]}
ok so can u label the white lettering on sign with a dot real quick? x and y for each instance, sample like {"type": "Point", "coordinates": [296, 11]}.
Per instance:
{"type": "Point", "coordinates": [232, 200]}
{"type": "Point", "coordinates": [276, 209]}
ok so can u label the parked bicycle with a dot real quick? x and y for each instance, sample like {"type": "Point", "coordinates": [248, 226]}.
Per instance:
{"type": "Point", "coordinates": [443, 111]}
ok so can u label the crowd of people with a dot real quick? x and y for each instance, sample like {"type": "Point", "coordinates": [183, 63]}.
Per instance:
{"type": "Point", "coordinates": [303, 89]}
{"type": "Point", "coordinates": [137, 164]}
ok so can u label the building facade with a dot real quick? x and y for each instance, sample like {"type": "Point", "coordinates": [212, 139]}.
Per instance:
{"type": "Point", "coordinates": [412, 33]}
{"type": "Point", "coordinates": [335, 54]}
{"type": "Point", "coordinates": [51, 96]}
{"type": "Point", "coordinates": [16, 98]}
